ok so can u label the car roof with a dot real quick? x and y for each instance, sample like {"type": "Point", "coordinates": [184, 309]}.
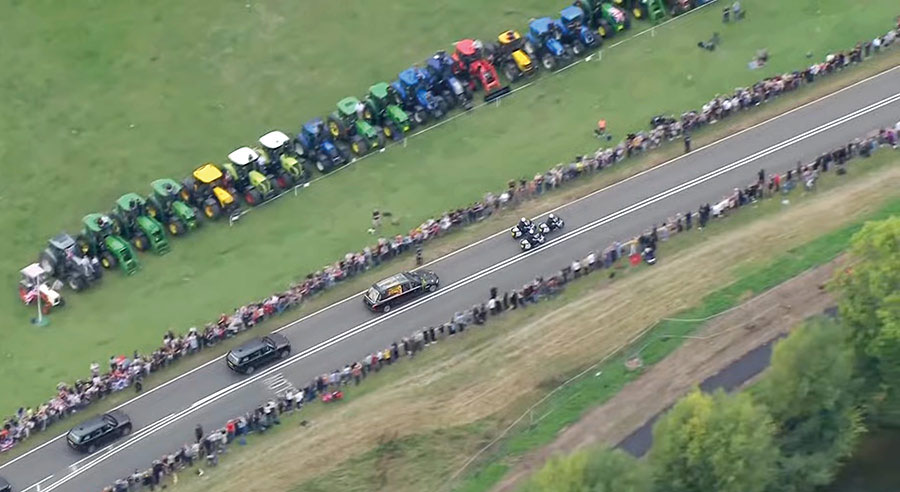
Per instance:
{"type": "Point", "coordinates": [88, 426]}
{"type": "Point", "coordinates": [392, 281]}
{"type": "Point", "coordinates": [243, 156]}
{"type": "Point", "coordinates": [3, 483]}
{"type": "Point", "coordinates": [250, 346]}
{"type": "Point", "coordinates": [274, 139]}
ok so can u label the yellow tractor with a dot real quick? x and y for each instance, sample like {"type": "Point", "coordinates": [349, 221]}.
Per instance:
{"type": "Point", "coordinates": [208, 189]}
{"type": "Point", "coordinates": [509, 55]}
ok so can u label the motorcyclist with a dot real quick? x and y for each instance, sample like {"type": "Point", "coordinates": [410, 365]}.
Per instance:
{"type": "Point", "coordinates": [523, 227]}
{"type": "Point", "coordinates": [554, 222]}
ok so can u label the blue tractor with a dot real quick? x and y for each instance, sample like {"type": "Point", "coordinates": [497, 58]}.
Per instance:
{"type": "Point", "coordinates": [413, 96]}
{"type": "Point", "coordinates": [544, 42]}
{"type": "Point", "coordinates": [574, 33]}
{"type": "Point", "coordinates": [314, 144]}
{"type": "Point", "coordinates": [442, 78]}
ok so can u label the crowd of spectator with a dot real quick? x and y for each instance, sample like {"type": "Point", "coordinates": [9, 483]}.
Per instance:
{"type": "Point", "coordinates": [121, 372]}
{"type": "Point", "coordinates": [207, 447]}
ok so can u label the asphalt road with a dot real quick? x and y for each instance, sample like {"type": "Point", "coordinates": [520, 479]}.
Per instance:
{"type": "Point", "coordinates": [165, 416]}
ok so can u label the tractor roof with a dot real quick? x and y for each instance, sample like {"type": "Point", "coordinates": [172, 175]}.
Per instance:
{"type": "Point", "coordinates": [571, 13]}
{"type": "Point", "coordinates": [207, 173]}
{"type": "Point", "coordinates": [274, 139]}
{"type": "Point", "coordinates": [125, 201]}
{"type": "Point", "coordinates": [312, 126]}
{"type": "Point", "coordinates": [507, 37]}
{"type": "Point", "coordinates": [466, 47]}
{"type": "Point", "coordinates": [379, 90]}
{"type": "Point", "coordinates": [33, 271]}
{"type": "Point", "coordinates": [347, 105]}
{"type": "Point", "coordinates": [62, 241]}
{"type": "Point", "coordinates": [243, 156]}
{"type": "Point", "coordinates": [408, 77]}
{"type": "Point", "coordinates": [165, 186]}
{"type": "Point", "coordinates": [542, 25]}
{"type": "Point", "coordinates": [92, 221]}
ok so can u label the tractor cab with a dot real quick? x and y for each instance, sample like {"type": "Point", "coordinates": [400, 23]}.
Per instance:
{"type": "Point", "coordinates": [209, 190]}
{"type": "Point", "coordinates": [98, 240]}
{"type": "Point", "coordinates": [605, 18]}
{"type": "Point", "coordinates": [278, 160]}
{"type": "Point", "coordinates": [165, 205]}
{"type": "Point", "coordinates": [544, 41]}
{"type": "Point", "coordinates": [647, 9]}
{"type": "Point", "coordinates": [379, 110]}
{"type": "Point", "coordinates": [470, 56]}
{"type": "Point", "coordinates": [314, 145]}
{"type": "Point", "coordinates": [242, 168]}
{"type": "Point", "coordinates": [33, 283]}
{"type": "Point", "coordinates": [510, 56]}
{"type": "Point", "coordinates": [574, 33]}
{"type": "Point", "coordinates": [414, 96]}
{"type": "Point", "coordinates": [442, 76]}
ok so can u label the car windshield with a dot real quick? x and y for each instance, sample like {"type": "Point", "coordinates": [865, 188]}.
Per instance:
{"type": "Point", "coordinates": [373, 294]}
{"type": "Point", "coordinates": [76, 438]}
{"type": "Point", "coordinates": [233, 358]}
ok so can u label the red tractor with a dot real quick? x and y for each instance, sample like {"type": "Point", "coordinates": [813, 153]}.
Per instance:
{"type": "Point", "coordinates": [470, 60]}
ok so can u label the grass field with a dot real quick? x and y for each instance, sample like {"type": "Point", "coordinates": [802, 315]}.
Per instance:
{"type": "Point", "coordinates": [129, 91]}
{"type": "Point", "coordinates": [437, 411]}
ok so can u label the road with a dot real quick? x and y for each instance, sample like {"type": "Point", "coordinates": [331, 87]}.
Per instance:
{"type": "Point", "coordinates": [165, 416]}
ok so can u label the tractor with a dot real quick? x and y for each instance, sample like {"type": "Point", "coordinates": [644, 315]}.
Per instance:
{"type": "Point", "coordinates": [251, 184]}
{"type": "Point", "coordinates": [574, 33]}
{"type": "Point", "coordinates": [208, 189]}
{"type": "Point", "coordinates": [345, 124]}
{"type": "Point", "coordinates": [509, 54]}
{"type": "Point", "coordinates": [279, 162]}
{"type": "Point", "coordinates": [604, 17]}
{"type": "Point", "coordinates": [33, 284]}
{"type": "Point", "coordinates": [131, 221]}
{"type": "Point", "coordinates": [394, 122]}
{"type": "Point", "coordinates": [543, 42]}
{"type": "Point", "coordinates": [63, 260]}
{"type": "Point", "coordinates": [166, 206]}
{"type": "Point", "coordinates": [471, 59]}
{"type": "Point", "coordinates": [97, 240]}
{"type": "Point", "coordinates": [413, 96]}
{"type": "Point", "coordinates": [444, 76]}
{"type": "Point", "coordinates": [646, 9]}
{"type": "Point", "coordinates": [314, 144]}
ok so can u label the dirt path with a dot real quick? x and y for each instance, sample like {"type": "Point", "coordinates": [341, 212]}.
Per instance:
{"type": "Point", "coordinates": [721, 342]}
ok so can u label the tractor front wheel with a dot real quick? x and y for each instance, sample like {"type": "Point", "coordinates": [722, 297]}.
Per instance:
{"type": "Point", "coordinates": [284, 181]}
{"type": "Point", "coordinates": [577, 48]}
{"type": "Point", "coordinates": [359, 146]}
{"type": "Point", "coordinates": [77, 282]}
{"type": "Point", "coordinates": [107, 260]}
{"type": "Point", "coordinates": [140, 242]}
{"type": "Point", "coordinates": [548, 62]}
{"type": "Point", "coordinates": [321, 166]}
{"type": "Point", "coordinates": [212, 210]}
{"type": "Point", "coordinates": [511, 72]}
{"type": "Point", "coordinates": [176, 228]}
{"type": "Point", "coordinates": [380, 137]}
{"type": "Point", "coordinates": [420, 117]}
{"type": "Point", "coordinates": [253, 197]}
{"type": "Point", "coordinates": [604, 30]}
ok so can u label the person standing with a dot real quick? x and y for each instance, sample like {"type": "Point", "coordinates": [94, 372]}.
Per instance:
{"type": "Point", "coordinates": [376, 219]}
{"type": "Point", "coordinates": [198, 432]}
{"type": "Point", "coordinates": [687, 143]}
{"type": "Point", "coordinates": [419, 259]}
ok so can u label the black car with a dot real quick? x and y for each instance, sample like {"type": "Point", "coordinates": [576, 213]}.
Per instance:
{"type": "Point", "coordinates": [258, 352]}
{"type": "Point", "coordinates": [96, 432]}
{"type": "Point", "coordinates": [4, 485]}
{"type": "Point", "coordinates": [402, 287]}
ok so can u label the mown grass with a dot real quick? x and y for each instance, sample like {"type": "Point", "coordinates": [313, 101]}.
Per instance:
{"type": "Point", "coordinates": [411, 458]}
{"type": "Point", "coordinates": [126, 92]}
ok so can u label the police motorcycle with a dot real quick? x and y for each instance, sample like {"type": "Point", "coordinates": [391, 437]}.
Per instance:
{"type": "Point", "coordinates": [524, 227]}
{"type": "Point", "coordinates": [553, 223]}
{"type": "Point", "coordinates": [531, 240]}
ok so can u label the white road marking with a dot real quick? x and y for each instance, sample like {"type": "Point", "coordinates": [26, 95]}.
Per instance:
{"type": "Point", "coordinates": [476, 276]}
{"type": "Point", "coordinates": [37, 485]}
{"type": "Point", "coordinates": [485, 239]}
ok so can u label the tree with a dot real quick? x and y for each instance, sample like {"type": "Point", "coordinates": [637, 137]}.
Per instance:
{"type": "Point", "coordinates": [560, 474]}
{"type": "Point", "coordinates": [609, 470]}
{"type": "Point", "coordinates": [866, 291]}
{"type": "Point", "coordinates": [720, 442]}
{"type": "Point", "coordinates": [886, 349]}
{"type": "Point", "coordinates": [809, 391]}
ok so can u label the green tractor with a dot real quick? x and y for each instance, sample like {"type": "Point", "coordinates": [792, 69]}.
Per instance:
{"type": "Point", "coordinates": [380, 111]}
{"type": "Point", "coordinates": [279, 160]}
{"type": "Point", "coordinates": [207, 188]}
{"type": "Point", "coordinates": [345, 124]}
{"type": "Point", "coordinates": [131, 221]}
{"type": "Point", "coordinates": [166, 206]}
{"type": "Point", "coordinates": [604, 17]}
{"type": "Point", "coordinates": [97, 240]}
{"type": "Point", "coordinates": [644, 9]}
{"type": "Point", "coordinates": [253, 185]}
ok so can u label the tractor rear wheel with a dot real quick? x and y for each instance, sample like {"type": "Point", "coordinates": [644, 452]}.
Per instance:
{"type": "Point", "coordinates": [77, 282]}
{"type": "Point", "coordinates": [336, 127]}
{"type": "Point", "coordinates": [49, 262]}
{"type": "Point", "coordinates": [107, 260]}
{"type": "Point", "coordinates": [140, 241]}
{"type": "Point", "coordinates": [511, 71]}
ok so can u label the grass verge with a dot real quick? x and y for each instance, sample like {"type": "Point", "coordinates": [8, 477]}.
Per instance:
{"type": "Point", "coordinates": [412, 427]}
